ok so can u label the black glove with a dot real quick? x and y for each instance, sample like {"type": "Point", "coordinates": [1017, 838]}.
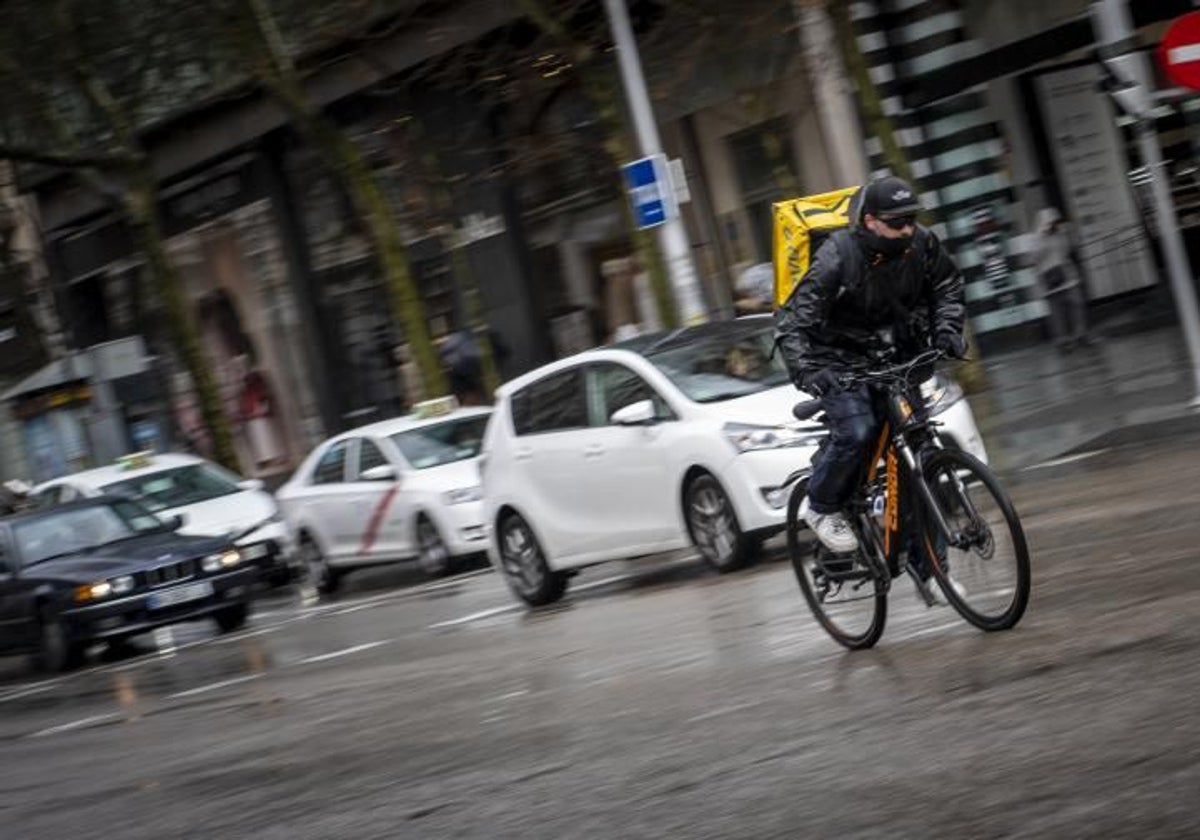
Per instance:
{"type": "Point", "coordinates": [952, 344]}
{"type": "Point", "coordinates": [820, 383]}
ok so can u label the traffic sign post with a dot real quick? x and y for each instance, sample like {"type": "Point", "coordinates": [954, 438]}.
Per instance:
{"type": "Point", "coordinates": [650, 191]}
{"type": "Point", "coordinates": [1179, 52]}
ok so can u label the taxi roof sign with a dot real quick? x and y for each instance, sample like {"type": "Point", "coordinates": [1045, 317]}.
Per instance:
{"type": "Point", "coordinates": [438, 407]}
{"type": "Point", "coordinates": [136, 460]}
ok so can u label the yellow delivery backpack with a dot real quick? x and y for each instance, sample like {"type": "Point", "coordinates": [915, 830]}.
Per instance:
{"type": "Point", "coordinates": [801, 225]}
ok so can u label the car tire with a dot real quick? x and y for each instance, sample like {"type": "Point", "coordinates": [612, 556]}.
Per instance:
{"type": "Point", "coordinates": [57, 651]}
{"type": "Point", "coordinates": [233, 618]}
{"type": "Point", "coordinates": [713, 526]}
{"type": "Point", "coordinates": [319, 574]}
{"type": "Point", "coordinates": [524, 564]}
{"type": "Point", "coordinates": [432, 552]}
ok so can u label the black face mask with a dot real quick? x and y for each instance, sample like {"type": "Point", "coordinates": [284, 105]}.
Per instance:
{"type": "Point", "coordinates": [886, 247]}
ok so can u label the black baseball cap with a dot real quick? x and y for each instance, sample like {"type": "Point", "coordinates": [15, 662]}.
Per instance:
{"type": "Point", "coordinates": [891, 197]}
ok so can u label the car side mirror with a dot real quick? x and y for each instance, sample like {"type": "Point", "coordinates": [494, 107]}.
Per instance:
{"type": "Point", "coordinates": [251, 484]}
{"type": "Point", "coordinates": [640, 413]}
{"type": "Point", "coordinates": [384, 472]}
{"type": "Point", "coordinates": [175, 522]}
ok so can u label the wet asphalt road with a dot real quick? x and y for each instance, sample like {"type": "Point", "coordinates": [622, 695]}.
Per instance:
{"type": "Point", "coordinates": [658, 701]}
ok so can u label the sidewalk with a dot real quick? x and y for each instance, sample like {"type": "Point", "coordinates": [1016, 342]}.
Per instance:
{"type": "Point", "coordinates": [1041, 404]}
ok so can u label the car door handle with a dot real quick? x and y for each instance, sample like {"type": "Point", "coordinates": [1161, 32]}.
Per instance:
{"type": "Point", "coordinates": [523, 455]}
{"type": "Point", "coordinates": [593, 451]}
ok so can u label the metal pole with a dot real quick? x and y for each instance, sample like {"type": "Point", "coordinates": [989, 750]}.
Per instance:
{"type": "Point", "coordinates": [1114, 28]}
{"type": "Point", "coordinates": [672, 235]}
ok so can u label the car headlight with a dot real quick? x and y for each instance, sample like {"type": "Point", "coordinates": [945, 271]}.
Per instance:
{"type": "Point", "coordinates": [940, 393]}
{"type": "Point", "coordinates": [93, 591]}
{"type": "Point", "coordinates": [224, 560]}
{"type": "Point", "coordinates": [748, 438]}
{"type": "Point", "coordinates": [122, 585]}
{"type": "Point", "coordinates": [461, 495]}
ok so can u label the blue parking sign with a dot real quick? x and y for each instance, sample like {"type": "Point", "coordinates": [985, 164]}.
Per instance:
{"type": "Point", "coordinates": [649, 191]}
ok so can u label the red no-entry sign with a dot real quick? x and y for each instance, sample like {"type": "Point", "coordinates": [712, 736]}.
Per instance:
{"type": "Point", "coordinates": [1179, 52]}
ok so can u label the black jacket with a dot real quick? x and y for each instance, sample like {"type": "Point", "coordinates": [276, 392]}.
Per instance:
{"type": "Point", "coordinates": [836, 313]}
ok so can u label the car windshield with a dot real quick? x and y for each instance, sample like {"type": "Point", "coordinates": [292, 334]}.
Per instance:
{"type": "Point", "coordinates": [69, 530]}
{"type": "Point", "coordinates": [176, 487]}
{"type": "Point", "coordinates": [723, 362]}
{"type": "Point", "coordinates": [442, 443]}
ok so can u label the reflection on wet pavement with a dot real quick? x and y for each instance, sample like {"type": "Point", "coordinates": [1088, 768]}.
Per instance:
{"type": "Point", "coordinates": [1042, 402]}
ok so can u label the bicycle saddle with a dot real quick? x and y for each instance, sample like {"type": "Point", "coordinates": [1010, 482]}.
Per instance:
{"type": "Point", "coordinates": [805, 410]}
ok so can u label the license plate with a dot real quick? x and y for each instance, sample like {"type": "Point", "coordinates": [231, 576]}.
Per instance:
{"type": "Point", "coordinates": [180, 595]}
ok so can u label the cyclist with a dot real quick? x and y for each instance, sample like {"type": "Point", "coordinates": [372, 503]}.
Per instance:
{"type": "Point", "coordinates": [882, 281]}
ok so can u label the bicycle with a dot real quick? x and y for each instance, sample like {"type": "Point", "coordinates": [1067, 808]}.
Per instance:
{"type": "Point", "coordinates": [918, 499]}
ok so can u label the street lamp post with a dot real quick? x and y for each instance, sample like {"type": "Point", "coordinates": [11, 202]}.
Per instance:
{"type": "Point", "coordinates": [672, 235]}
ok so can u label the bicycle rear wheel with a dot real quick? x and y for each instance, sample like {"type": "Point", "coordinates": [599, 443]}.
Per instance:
{"type": "Point", "coordinates": [987, 579]}
{"type": "Point", "coordinates": [846, 598]}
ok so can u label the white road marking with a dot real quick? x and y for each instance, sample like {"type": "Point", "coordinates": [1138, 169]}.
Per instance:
{"type": "Point", "coordinates": [25, 691]}
{"type": "Point", "coordinates": [343, 652]}
{"type": "Point", "coordinates": [164, 640]}
{"type": "Point", "coordinates": [75, 724]}
{"type": "Point", "coordinates": [204, 689]}
{"type": "Point", "coordinates": [1066, 459]}
{"type": "Point", "coordinates": [476, 616]}
{"type": "Point", "coordinates": [926, 631]}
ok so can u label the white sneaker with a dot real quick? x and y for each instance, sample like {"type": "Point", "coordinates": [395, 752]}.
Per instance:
{"type": "Point", "coordinates": [831, 529]}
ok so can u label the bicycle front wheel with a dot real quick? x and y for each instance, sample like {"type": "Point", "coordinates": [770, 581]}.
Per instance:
{"type": "Point", "coordinates": [845, 596]}
{"type": "Point", "coordinates": [985, 577]}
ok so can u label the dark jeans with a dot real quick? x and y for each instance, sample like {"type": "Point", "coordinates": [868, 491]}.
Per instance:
{"type": "Point", "coordinates": [1068, 315]}
{"type": "Point", "coordinates": [854, 418]}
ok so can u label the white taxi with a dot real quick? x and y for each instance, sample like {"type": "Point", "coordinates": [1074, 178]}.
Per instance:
{"type": "Point", "coordinates": [393, 491]}
{"type": "Point", "coordinates": [210, 501]}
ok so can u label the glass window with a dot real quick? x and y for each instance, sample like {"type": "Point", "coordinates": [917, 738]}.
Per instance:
{"type": "Point", "coordinates": [63, 531]}
{"type": "Point", "coordinates": [369, 456]}
{"type": "Point", "coordinates": [617, 387]}
{"type": "Point", "coordinates": [721, 361]}
{"type": "Point", "coordinates": [442, 443]}
{"type": "Point", "coordinates": [331, 469]}
{"type": "Point", "coordinates": [172, 488]}
{"type": "Point", "coordinates": [553, 404]}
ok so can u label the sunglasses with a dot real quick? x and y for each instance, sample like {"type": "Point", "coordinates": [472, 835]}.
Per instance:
{"type": "Point", "coordinates": [898, 222]}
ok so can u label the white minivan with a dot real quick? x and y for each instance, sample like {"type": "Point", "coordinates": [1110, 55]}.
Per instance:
{"type": "Point", "coordinates": [651, 445]}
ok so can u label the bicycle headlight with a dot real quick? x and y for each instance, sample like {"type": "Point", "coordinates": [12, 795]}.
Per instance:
{"type": "Point", "coordinates": [940, 393]}
{"type": "Point", "coordinates": [746, 437]}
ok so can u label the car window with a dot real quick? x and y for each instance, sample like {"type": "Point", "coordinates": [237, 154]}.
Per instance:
{"type": "Point", "coordinates": [442, 443]}
{"type": "Point", "coordinates": [553, 404]}
{"type": "Point", "coordinates": [614, 387]}
{"type": "Point", "coordinates": [331, 469]}
{"type": "Point", "coordinates": [724, 362]}
{"type": "Point", "coordinates": [67, 493]}
{"type": "Point", "coordinates": [177, 487]}
{"type": "Point", "coordinates": [369, 456]}
{"type": "Point", "coordinates": [72, 529]}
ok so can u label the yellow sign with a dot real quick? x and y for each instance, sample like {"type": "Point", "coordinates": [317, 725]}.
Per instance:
{"type": "Point", "coordinates": [136, 460]}
{"type": "Point", "coordinates": [439, 407]}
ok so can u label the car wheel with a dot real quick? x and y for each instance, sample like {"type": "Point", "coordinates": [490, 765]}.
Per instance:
{"type": "Point", "coordinates": [524, 564]}
{"type": "Point", "coordinates": [232, 618]}
{"type": "Point", "coordinates": [57, 651]}
{"type": "Point", "coordinates": [432, 553]}
{"type": "Point", "coordinates": [321, 576]}
{"type": "Point", "coordinates": [713, 525]}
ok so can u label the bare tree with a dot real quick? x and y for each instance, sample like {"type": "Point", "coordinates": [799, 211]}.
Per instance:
{"type": "Point", "coordinates": [78, 81]}
{"type": "Point", "coordinates": [252, 28]}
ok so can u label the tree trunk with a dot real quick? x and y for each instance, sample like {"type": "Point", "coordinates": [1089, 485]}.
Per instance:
{"type": "Point", "coordinates": [141, 208]}
{"type": "Point", "coordinates": [267, 58]}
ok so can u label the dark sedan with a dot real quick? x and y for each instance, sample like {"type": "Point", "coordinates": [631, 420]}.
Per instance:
{"type": "Point", "coordinates": [105, 569]}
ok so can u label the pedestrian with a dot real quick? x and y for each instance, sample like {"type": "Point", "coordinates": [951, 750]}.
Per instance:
{"type": "Point", "coordinates": [1059, 278]}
